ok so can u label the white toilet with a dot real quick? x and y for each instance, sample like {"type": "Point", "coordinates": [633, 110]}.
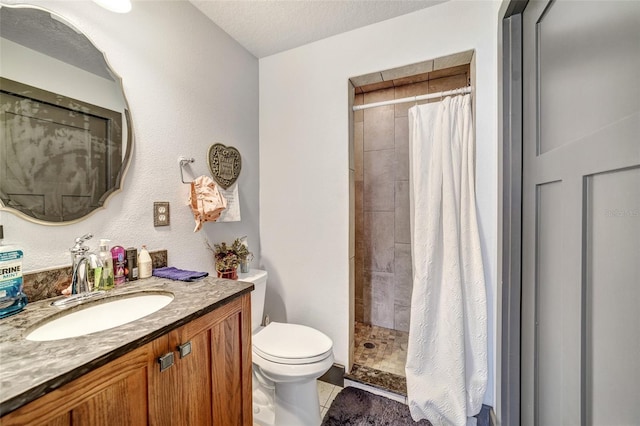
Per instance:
{"type": "Point", "coordinates": [287, 361]}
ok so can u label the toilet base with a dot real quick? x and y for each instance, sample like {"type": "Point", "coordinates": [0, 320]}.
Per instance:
{"type": "Point", "coordinates": [263, 416]}
{"type": "Point", "coordinates": [297, 404]}
{"type": "Point", "coordinates": [262, 399]}
{"type": "Point", "coordinates": [289, 404]}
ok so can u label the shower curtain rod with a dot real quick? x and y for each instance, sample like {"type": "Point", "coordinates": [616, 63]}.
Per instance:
{"type": "Point", "coordinates": [459, 91]}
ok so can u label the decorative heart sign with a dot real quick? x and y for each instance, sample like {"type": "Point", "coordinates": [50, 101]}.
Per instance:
{"type": "Point", "coordinates": [225, 164]}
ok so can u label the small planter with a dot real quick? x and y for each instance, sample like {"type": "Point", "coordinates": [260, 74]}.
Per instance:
{"type": "Point", "coordinates": [231, 274]}
{"type": "Point", "coordinates": [228, 258]}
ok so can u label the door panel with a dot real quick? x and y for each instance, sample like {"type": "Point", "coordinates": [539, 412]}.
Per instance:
{"type": "Point", "coordinates": [612, 297]}
{"type": "Point", "coordinates": [581, 172]}
{"type": "Point", "coordinates": [588, 61]}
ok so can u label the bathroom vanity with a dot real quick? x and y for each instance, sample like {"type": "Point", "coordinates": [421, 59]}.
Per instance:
{"type": "Point", "coordinates": [187, 363]}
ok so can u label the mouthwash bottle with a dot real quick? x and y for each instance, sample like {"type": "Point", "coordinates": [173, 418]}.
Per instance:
{"type": "Point", "coordinates": [12, 299]}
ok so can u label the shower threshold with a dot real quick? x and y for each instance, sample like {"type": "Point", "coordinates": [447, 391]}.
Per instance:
{"type": "Point", "coordinates": [378, 379]}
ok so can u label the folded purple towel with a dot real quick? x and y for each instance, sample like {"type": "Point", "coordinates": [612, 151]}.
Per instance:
{"type": "Point", "coordinates": [178, 274]}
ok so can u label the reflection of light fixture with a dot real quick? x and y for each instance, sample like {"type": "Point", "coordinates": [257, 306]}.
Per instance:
{"type": "Point", "coordinates": [118, 6]}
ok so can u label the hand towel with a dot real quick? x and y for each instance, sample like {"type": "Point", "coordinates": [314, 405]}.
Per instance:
{"type": "Point", "coordinates": [178, 274]}
{"type": "Point", "coordinates": [205, 201]}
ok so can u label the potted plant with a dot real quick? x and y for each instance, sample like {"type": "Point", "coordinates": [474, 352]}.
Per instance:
{"type": "Point", "coordinates": [227, 258]}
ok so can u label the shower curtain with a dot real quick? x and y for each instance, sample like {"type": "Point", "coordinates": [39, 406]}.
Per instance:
{"type": "Point", "coordinates": [447, 352]}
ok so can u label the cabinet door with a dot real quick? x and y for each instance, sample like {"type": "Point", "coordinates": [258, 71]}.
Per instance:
{"type": "Point", "coordinates": [231, 364]}
{"type": "Point", "coordinates": [114, 394]}
{"type": "Point", "coordinates": [195, 377]}
{"type": "Point", "coordinates": [181, 393]}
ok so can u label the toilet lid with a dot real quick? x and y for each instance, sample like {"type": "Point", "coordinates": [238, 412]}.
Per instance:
{"type": "Point", "coordinates": [291, 344]}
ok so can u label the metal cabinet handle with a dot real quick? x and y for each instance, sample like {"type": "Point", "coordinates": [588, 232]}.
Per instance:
{"type": "Point", "coordinates": [165, 361]}
{"type": "Point", "coordinates": [184, 349]}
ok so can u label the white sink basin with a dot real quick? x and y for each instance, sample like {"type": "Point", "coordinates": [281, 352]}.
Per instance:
{"type": "Point", "coordinates": [100, 315]}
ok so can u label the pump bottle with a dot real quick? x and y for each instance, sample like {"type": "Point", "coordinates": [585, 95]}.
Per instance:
{"type": "Point", "coordinates": [105, 280]}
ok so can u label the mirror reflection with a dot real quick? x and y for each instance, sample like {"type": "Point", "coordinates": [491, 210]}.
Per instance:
{"type": "Point", "coordinates": [64, 122]}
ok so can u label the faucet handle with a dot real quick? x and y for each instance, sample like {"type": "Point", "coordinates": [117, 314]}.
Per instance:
{"type": "Point", "coordinates": [79, 247]}
{"type": "Point", "coordinates": [84, 238]}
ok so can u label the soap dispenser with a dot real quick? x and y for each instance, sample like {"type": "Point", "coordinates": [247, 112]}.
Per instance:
{"type": "Point", "coordinates": [105, 280]}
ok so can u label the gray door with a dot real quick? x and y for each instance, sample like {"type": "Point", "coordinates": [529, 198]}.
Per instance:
{"type": "Point", "coordinates": [581, 213]}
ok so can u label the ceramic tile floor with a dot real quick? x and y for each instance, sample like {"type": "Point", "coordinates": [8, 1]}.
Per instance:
{"type": "Point", "coordinates": [326, 394]}
{"type": "Point", "coordinates": [381, 348]}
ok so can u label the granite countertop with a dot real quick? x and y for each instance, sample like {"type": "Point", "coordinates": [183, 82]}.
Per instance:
{"type": "Point", "coordinates": [30, 369]}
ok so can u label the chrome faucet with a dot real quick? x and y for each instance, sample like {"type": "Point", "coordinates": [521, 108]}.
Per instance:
{"type": "Point", "coordinates": [80, 281]}
{"type": "Point", "coordinates": [82, 259]}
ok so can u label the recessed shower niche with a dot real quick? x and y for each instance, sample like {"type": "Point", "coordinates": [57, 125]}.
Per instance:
{"type": "Point", "coordinates": [380, 250]}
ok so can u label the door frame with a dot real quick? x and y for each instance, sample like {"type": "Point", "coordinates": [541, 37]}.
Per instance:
{"type": "Point", "coordinates": [510, 185]}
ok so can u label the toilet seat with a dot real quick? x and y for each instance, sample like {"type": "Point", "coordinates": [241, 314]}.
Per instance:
{"type": "Point", "coordinates": [291, 344]}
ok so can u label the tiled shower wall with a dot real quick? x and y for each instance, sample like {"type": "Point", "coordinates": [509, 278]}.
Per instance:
{"type": "Point", "coordinates": [383, 278]}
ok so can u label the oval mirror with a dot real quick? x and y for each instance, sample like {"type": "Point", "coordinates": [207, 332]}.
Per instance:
{"type": "Point", "coordinates": [65, 128]}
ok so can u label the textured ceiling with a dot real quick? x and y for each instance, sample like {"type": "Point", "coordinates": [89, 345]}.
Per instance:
{"type": "Point", "coordinates": [265, 27]}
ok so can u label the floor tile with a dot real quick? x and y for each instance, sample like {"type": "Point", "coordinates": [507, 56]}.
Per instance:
{"type": "Point", "coordinates": [324, 392]}
{"type": "Point", "coordinates": [336, 391]}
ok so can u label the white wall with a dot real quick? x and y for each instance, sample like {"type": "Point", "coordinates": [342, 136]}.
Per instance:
{"type": "Point", "coordinates": [304, 198]}
{"type": "Point", "coordinates": [188, 85]}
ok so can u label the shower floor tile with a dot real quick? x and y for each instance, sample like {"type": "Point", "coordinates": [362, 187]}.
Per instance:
{"type": "Point", "coordinates": [381, 348]}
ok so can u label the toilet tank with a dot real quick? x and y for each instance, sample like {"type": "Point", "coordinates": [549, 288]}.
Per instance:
{"type": "Point", "coordinates": [258, 278]}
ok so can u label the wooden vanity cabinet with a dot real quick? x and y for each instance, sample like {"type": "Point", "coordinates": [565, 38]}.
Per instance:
{"type": "Point", "coordinates": [210, 384]}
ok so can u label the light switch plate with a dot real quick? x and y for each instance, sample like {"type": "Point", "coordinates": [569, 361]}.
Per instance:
{"type": "Point", "coordinates": [161, 213]}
